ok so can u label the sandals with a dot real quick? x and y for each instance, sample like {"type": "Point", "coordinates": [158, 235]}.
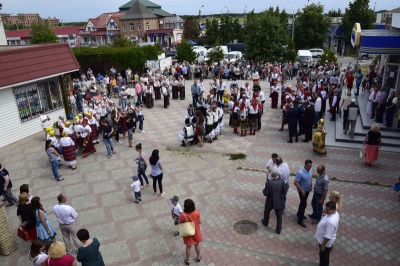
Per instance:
{"type": "Point", "coordinates": [114, 152]}
{"type": "Point", "coordinates": [73, 168]}
{"type": "Point", "coordinates": [187, 262]}
{"type": "Point", "coordinates": [198, 259]}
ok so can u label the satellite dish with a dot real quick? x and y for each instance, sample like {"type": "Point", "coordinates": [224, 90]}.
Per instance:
{"type": "Point", "coordinates": [161, 22]}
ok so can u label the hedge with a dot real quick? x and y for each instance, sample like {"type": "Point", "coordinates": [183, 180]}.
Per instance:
{"type": "Point", "coordinates": [101, 59]}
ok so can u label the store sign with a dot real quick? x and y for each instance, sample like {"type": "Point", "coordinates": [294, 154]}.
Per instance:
{"type": "Point", "coordinates": [356, 35]}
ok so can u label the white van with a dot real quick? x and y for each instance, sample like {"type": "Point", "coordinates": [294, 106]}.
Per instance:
{"type": "Point", "coordinates": [304, 57]}
{"type": "Point", "coordinates": [233, 56]}
{"type": "Point", "coordinates": [201, 54]}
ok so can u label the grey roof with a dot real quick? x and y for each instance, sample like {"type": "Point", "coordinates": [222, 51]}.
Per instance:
{"type": "Point", "coordinates": [146, 3]}
{"type": "Point", "coordinates": [138, 11]}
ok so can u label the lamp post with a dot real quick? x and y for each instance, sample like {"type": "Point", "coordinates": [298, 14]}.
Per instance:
{"type": "Point", "coordinates": [245, 10]}
{"type": "Point", "coordinates": [107, 42]}
{"type": "Point", "coordinates": [293, 26]}
{"type": "Point", "coordinates": [200, 12]}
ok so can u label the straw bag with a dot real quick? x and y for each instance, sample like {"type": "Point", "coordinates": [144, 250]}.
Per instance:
{"type": "Point", "coordinates": [186, 228]}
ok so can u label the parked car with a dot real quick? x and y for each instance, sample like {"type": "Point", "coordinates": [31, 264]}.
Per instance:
{"type": "Point", "coordinates": [233, 56]}
{"type": "Point", "coordinates": [364, 56]}
{"type": "Point", "coordinates": [304, 57]}
{"type": "Point", "coordinates": [316, 52]}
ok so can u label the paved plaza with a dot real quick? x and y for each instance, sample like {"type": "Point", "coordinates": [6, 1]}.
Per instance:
{"type": "Point", "coordinates": [225, 191]}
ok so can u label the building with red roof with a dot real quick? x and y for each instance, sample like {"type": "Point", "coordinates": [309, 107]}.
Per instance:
{"type": "Point", "coordinates": [33, 78]}
{"type": "Point", "coordinates": [64, 34]}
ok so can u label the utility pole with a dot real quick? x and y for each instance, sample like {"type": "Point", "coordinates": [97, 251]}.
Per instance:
{"type": "Point", "coordinates": [293, 26]}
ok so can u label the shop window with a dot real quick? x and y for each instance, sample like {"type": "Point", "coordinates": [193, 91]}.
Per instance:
{"type": "Point", "coordinates": [43, 95]}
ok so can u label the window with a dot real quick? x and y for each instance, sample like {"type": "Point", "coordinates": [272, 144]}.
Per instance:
{"type": "Point", "coordinates": [42, 95]}
{"type": "Point", "coordinates": [131, 27]}
{"type": "Point", "coordinates": [139, 27]}
{"type": "Point", "coordinates": [123, 27]}
{"type": "Point", "coordinates": [147, 26]}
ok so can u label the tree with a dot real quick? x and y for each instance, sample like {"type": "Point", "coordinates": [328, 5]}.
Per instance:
{"type": "Point", "coordinates": [311, 27]}
{"type": "Point", "coordinates": [328, 56]}
{"type": "Point", "coordinates": [185, 52]}
{"type": "Point", "coordinates": [216, 54]}
{"type": "Point", "coordinates": [334, 13]}
{"type": "Point", "coordinates": [358, 11]}
{"type": "Point", "coordinates": [41, 32]}
{"type": "Point", "coordinates": [212, 31]}
{"type": "Point", "coordinates": [191, 29]}
{"type": "Point", "coordinates": [121, 41]}
{"type": "Point", "coordinates": [264, 36]}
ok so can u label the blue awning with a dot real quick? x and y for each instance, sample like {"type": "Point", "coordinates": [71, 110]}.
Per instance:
{"type": "Point", "coordinates": [380, 41]}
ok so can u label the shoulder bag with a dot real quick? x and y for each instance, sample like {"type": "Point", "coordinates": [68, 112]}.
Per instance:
{"type": "Point", "coordinates": [186, 229]}
{"type": "Point", "coordinates": [23, 234]}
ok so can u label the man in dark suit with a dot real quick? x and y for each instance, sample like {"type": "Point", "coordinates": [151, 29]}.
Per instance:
{"type": "Point", "coordinates": [308, 118]}
{"type": "Point", "coordinates": [292, 118]}
{"type": "Point", "coordinates": [274, 191]}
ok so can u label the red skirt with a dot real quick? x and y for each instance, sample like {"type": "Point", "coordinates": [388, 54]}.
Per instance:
{"type": "Point", "coordinates": [69, 153]}
{"type": "Point", "coordinates": [94, 134]}
{"type": "Point", "coordinates": [73, 137]}
{"type": "Point", "coordinates": [123, 123]}
{"type": "Point", "coordinates": [274, 100]}
{"type": "Point", "coordinates": [32, 233]}
{"type": "Point", "coordinates": [89, 148]}
{"type": "Point", "coordinates": [371, 153]}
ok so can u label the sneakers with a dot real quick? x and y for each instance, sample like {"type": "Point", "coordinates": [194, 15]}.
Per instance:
{"type": "Point", "coordinates": [139, 199]}
{"type": "Point", "coordinates": [136, 201]}
{"type": "Point", "coordinates": [176, 233]}
{"type": "Point", "coordinates": [156, 193]}
{"type": "Point", "coordinates": [162, 194]}
{"type": "Point", "coordinates": [120, 142]}
{"type": "Point", "coordinates": [142, 131]}
{"type": "Point", "coordinates": [109, 156]}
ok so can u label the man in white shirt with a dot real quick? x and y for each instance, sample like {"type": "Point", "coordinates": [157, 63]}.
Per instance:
{"type": "Point", "coordinates": [284, 174]}
{"type": "Point", "coordinates": [271, 165]}
{"type": "Point", "coordinates": [45, 122]}
{"type": "Point", "coordinates": [66, 216]}
{"type": "Point", "coordinates": [326, 232]}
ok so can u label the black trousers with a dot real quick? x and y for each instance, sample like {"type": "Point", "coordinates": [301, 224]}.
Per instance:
{"type": "Point", "coordinates": [324, 256]}
{"type": "Point", "coordinates": [308, 131]}
{"type": "Point", "coordinates": [374, 105]}
{"type": "Point", "coordinates": [157, 179]}
{"type": "Point", "coordinates": [379, 113]}
{"type": "Point", "coordinates": [166, 101]}
{"type": "Point", "coordinates": [278, 213]}
{"type": "Point", "coordinates": [345, 115]}
{"type": "Point", "coordinates": [293, 131]}
{"type": "Point", "coordinates": [302, 206]}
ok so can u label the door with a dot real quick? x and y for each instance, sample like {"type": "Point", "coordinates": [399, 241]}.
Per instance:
{"type": "Point", "coordinates": [391, 75]}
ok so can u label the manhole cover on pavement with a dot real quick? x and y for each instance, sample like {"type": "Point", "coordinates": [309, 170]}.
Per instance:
{"type": "Point", "coordinates": [245, 227]}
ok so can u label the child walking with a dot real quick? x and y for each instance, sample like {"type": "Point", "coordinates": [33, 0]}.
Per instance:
{"type": "Point", "coordinates": [136, 189]}
{"type": "Point", "coordinates": [176, 211]}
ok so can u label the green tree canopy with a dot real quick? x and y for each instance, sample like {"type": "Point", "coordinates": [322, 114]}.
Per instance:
{"type": "Point", "coordinates": [329, 56]}
{"type": "Point", "coordinates": [334, 13]}
{"type": "Point", "coordinates": [311, 27]}
{"type": "Point", "coordinates": [185, 52]}
{"type": "Point", "coordinates": [216, 54]}
{"type": "Point", "coordinates": [264, 35]}
{"type": "Point", "coordinates": [121, 41]}
{"type": "Point", "coordinates": [358, 11]}
{"type": "Point", "coordinates": [212, 31]}
{"type": "Point", "coordinates": [191, 29]}
{"type": "Point", "coordinates": [42, 33]}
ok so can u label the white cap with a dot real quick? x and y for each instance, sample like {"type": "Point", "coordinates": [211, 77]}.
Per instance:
{"type": "Point", "coordinates": [353, 100]}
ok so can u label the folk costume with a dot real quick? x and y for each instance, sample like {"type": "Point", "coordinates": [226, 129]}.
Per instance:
{"type": "Point", "coordinates": [87, 136]}
{"type": "Point", "coordinates": [149, 96]}
{"type": "Point", "coordinates": [181, 88]}
{"type": "Point", "coordinates": [235, 118]}
{"type": "Point", "coordinates": [157, 89]}
{"type": "Point", "coordinates": [275, 92]}
{"type": "Point", "coordinates": [92, 121]}
{"type": "Point", "coordinates": [243, 118]}
{"type": "Point", "coordinates": [253, 116]}
{"type": "Point", "coordinates": [165, 94]}
{"type": "Point", "coordinates": [319, 139]}
{"type": "Point", "coordinates": [68, 149]}
{"type": "Point", "coordinates": [187, 133]}
{"type": "Point", "coordinates": [210, 133]}
{"type": "Point", "coordinates": [174, 84]}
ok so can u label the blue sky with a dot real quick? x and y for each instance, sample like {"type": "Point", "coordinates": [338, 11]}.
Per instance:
{"type": "Point", "coordinates": [81, 10]}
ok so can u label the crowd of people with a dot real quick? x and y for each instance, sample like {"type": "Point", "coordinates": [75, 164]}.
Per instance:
{"type": "Point", "coordinates": [95, 112]}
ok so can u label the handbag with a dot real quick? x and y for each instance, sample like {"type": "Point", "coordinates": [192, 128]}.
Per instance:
{"type": "Point", "coordinates": [22, 233]}
{"type": "Point", "coordinates": [362, 153]}
{"type": "Point", "coordinates": [142, 166]}
{"type": "Point", "coordinates": [186, 229]}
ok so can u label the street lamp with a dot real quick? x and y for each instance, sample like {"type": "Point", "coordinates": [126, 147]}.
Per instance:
{"type": "Point", "coordinates": [109, 16]}
{"type": "Point", "coordinates": [200, 12]}
{"type": "Point", "coordinates": [293, 26]}
{"type": "Point", "coordinates": [245, 10]}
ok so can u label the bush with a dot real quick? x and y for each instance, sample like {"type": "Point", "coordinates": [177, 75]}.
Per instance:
{"type": "Point", "coordinates": [329, 56]}
{"type": "Point", "coordinates": [185, 52]}
{"type": "Point", "coordinates": [101, 59]}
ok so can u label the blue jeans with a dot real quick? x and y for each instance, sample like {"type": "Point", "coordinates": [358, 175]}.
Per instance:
{"type": "Point", "coordinates": [358, 87]}
{"type": "Point", "coordinates": [109, 145]}
{"type": "Point", "coordinates": [54, 167]}
{"type": "Point", "coordinates": [317, 208]}
{"type": "Point", "coordinates": [140, 120]}
{"type": "Point", "coordinates": [140, 174]}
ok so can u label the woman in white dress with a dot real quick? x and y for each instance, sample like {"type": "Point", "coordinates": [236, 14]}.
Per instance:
{"type": "Point", "coordinates": [36, 254]}
{"type": "Point", "coordinates": [369, 104]}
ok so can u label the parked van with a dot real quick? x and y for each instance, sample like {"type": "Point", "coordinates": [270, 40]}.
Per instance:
{"type": "Point", "coordinates": [233, 56]}
{"type": "Point", "coordinates": [236, 47]}
{"type": "Point", "coordinates": [201, 54]}
{"type": "Point", "coordinates": [304, 57]}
